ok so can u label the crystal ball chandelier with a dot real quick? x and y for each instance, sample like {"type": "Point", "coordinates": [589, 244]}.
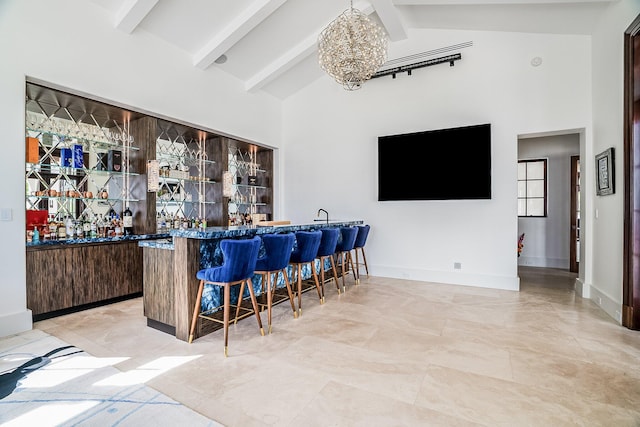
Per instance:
{"type": "Point", "coordinates": [352, 48]}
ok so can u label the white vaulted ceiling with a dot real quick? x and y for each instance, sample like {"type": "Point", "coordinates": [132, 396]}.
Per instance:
{"type": "Point", "coordinates": [270, 45]}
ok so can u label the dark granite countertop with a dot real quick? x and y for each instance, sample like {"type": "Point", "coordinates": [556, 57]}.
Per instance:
{"type": "Point", "coordinates": [68, 242]}
{"type": "Point", "coordinates": [252, 230]}
{"type": "Point", "coordinates": [243, 231]}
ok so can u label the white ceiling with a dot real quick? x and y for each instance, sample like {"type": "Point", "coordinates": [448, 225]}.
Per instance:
{"type": "Point", "coordinates": [270, 45]}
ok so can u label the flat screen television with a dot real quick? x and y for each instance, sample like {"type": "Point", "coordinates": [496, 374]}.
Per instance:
{"type": "Point", "coordinates": [442, 164]}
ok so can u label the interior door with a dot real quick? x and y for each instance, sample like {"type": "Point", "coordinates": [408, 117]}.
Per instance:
{"type": "Point", "coordinates": [574, 242]}
{"type": "Point", "coordinates": [631, 279]}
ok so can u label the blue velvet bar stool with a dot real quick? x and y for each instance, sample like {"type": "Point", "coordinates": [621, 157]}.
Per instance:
{"type": "Point", "coordinates": [327, 248]}
{"type": "Point", "coordinates": [361, 240]}
{"type": "Point", "coordinates": [343, 252]}
{"type": "Point", "coordinates": [239, 263]}
{"type": "Point", "coordinates": [278, 249]}
{"type": "Point", "coordinates": [307, 244]}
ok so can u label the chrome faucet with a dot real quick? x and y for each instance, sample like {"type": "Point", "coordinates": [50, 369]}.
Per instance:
{"type": "Point", "coordinates": [322, 210]}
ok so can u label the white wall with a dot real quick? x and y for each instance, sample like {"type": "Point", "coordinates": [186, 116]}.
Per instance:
{"type": "Point", "coordinates": [546, 242]}
{"type": "Point", "coordinates": [45, 40]}
{"type": "Point", "coordinates": [331, 135]}
{"type": "Point", "coordinates": [331, 148]}
{"type": "Point", "coordinates": [608, 89]}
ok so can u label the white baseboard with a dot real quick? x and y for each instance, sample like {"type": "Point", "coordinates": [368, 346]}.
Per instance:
{"type": "Point", "coordinates": [543, 262]}
{"type": "Point", "coordinates": [15, 323]}
{"type": "Point", "coordinates": [582, 289]}
{"type": "Point", "coordinates": [449, 277]}
{"type": "Point", "coordinates": [610, 306]}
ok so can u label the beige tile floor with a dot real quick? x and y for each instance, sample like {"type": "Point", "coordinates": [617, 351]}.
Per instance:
{"type": "Point", "coordinates": [393, 353]}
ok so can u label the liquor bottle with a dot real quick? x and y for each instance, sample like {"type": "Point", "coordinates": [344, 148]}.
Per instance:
{"type": "Point", "coordinates": [62, 230]}
{"type": "Point", "coordinates": [108, 226]}
{"type": "Point", "coordinates": [93, 228]}
{"type": "Point", "coordinates": [117, 226]}
{"type": "Point", "coordinates": [102, 226]}
{"type": "Point", "coordinates": [86, 226]}
{"type": "Point", "coordinates": [176, 222]}
{"type": "Point", "coordinates": [53, 228]}
{"type": "Point", "coordinates": [36, 235]}
{"type": "Point", "coordinates": [78, 226]}
{"type": "Point", "coordinates": [69, 227]}
{"type": "Point", "coordinates": [127, 221]}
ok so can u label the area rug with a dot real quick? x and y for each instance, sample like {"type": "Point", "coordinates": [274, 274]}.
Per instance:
{"type": "Point", "coordinates": [46, 382]}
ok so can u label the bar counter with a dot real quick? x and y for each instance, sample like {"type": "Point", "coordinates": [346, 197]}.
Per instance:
{"type": "Point", "coordinates": [68, 275]}
{"type": "Point", "coordinates": [170, 267]}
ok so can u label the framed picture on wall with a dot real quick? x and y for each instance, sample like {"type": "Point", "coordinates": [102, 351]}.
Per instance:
{"type": "Point", "coordinates": [605, 173]}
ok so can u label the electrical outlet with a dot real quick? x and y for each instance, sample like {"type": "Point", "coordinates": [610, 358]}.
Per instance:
{"type": "Point", "coordinates": [457, 266]}
{"type": "Point", "coordinates": [5, 214]}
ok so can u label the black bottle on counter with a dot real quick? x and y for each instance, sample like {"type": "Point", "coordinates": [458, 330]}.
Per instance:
{"type": "Point", "coordinates": [127, 221]}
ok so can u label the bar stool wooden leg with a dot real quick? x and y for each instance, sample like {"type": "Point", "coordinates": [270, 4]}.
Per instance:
{"type": "Point", "coordinates": [322, 275]}
{"type": "Point", "coordinates": [344, 287]}
{"type": "Point", "coordinates": [335, 273]}
{"type": "Point", "coordinates": [269, 300]}
{"type": "Point", "coordinates": [254, 302]}
{"type": "Point", "coordinates": [356, 276]}
{"type": "Point", "coordinates": [299, 277]}
{"type": "Point", "coordinates": [319, 287]}
{"type": "Point", "coordinates": [288, 285]}
{"type": "Point", "coordinates": [262, 291]}
{"type": "Point", "coordinates": [366, 266]}
{"type": "Point", "coordinates": [239, 303]}
{"type": "Point", "coordinates": [227, 307]}
{"type": "Point", "coordinates": [196, 311]}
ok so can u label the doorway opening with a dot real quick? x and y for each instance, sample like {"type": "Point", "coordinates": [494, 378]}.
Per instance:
{"type": "Point", "coordinates": [554, 240]}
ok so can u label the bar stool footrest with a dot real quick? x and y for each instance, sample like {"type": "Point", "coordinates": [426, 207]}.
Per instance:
{"type": "Point", "coordinates": [217, 314]}
{"type": "Point", "coordinates": [279, 296]}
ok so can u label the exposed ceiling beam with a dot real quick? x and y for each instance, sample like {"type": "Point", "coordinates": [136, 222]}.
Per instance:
{"type": "Point", "coordinates": [132, 13]}
{"type": "Point", "coordinates": [486, 2]}
{"type": "Point", "coordinates": [282, 64]}
{"type": "Point", "coordinates": [293, 56]}
{"type": "Point", "coordinates": [363, 6]}
{"type": "Point", "coordinates": [390, 18]}
{"type": "Point", "coordinates": [250, 18]}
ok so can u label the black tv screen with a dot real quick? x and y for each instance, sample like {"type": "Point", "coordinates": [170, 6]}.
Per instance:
{"type": "Point", "coordinates": [442, 164]}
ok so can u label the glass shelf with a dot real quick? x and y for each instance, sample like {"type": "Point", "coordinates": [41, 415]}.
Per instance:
{"type": "Point", "coordinates": [240, 164]}
{"type": "Point", "coordinates": [182, 202]}
{"type": "Point", "coordinates": [246, 203]}
{"type": "Point", "coordinates": [187, 160]}
{"type": "Point", "coordinates": [44, 167]}
{"type": "Point", "coordinates": [260, 187]}
{"type": "Point", "coordinates": [168, 179]}
{"type": "Point", "coordinates": [86, 200]}
{"type": "Point", "coordinates": [65, 140]}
